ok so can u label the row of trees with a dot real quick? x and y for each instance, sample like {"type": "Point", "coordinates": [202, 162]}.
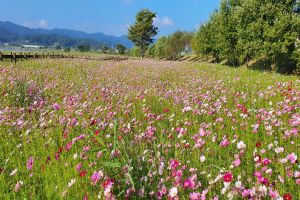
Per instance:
{"type": "Point", "coordinates": [172, 46]}
{"type": "Point", "coordinates": [120, 49]}
{"type": "Point", "coordinates": [169, 47]}
{"type": "Point", "coordinates": [242, 30]}
{"type": "Point", "coordinates": [265, 32]}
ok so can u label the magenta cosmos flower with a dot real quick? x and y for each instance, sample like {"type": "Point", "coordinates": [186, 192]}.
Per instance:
{"type": "Point", "coordinates": [227, 177]}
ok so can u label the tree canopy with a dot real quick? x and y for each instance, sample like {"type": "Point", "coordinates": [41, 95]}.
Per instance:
{"type": "Point", "coordinates": [241, 31]}
{"type": "Point", "coordinates": [141, 33]}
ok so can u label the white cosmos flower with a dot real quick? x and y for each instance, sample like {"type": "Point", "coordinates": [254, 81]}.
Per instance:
{"type": "Point", "coordinates": [238, 184]}
{"type": "Point", "coordinates": [202, 158]}
{"type": "Point", "coordinates": [173, 192]}
{"type": "Point", "coordinates": [241, 145]}
{"type": "Point", "coordinates": [71, 183]}
{"type": "Point", "coordinates": [13, 172]}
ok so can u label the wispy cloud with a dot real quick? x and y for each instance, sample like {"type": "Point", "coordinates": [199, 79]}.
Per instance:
{"type": "Point", "coordinates": [36, 24]}
{"type": "Point", "coordinates": [43, 24]}
{"type": "Point", "coordinates": [165, 21]}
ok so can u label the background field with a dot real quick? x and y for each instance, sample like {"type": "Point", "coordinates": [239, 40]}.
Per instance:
{"type": "Point", "coordinates": [143, 127]}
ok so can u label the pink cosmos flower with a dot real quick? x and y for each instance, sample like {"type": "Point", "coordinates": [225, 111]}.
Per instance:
{"type": "Point", "coordinates": [237, 162]}
{"type": "Point", "coordinates": [173, 164]}
{"type": "Point", "coordinates": [18, 186]}
{"type": "Point", "coordinates": [80, 137]}
{"type": "Point", "coordinates": [255, 128]}
{"type": "Point", "coordinates": [78, 167]}
{"type": "Point", "coordinates": [224, 143]}
{"type": "Point", "coordinates": [246, 193]}
{"type": "Point", "coordinates": [30, 162]}
{"type": "Point", "coordinates": [273, 194]}
{"type": "Point", "coordinates": [96, 177]}
{"type": "Point", "coordinates": [201, 132]}
{"type": "Point", "coordinates": [292, 158]}
{"type": "Point", "coordinates": [86, 148]}
{"type": "Point", "coordinates": [69, 146]}
{"type": "Point", "coordinates": [266, 161]}
{"type": "Point", "coordinates": [56, 106]}
{"type": "Point", "coordinates": [190, 182]}
{"type": "Point", "coordinates": [195, 196]}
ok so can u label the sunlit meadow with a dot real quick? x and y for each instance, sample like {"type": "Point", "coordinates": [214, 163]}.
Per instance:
{"type": "Point", "coordinates": [144, 129]}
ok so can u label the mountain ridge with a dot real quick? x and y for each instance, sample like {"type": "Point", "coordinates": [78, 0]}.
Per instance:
{"type": "Point", "coordinates": [18, 34]}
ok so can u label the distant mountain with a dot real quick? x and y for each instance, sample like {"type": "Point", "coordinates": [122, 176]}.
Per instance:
{"type": "Point", "coordinates": [17, 35]}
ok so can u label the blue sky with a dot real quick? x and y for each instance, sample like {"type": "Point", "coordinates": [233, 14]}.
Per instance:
{"type": "Point", "coordinates": [107, 16]}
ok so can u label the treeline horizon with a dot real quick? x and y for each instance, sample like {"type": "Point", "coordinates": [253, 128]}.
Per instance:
{"type": "Point", "coordinates": [262, 33]}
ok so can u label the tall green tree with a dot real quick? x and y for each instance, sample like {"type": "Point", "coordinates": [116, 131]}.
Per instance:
{"type": "Point", "coordinates": [141, 33]}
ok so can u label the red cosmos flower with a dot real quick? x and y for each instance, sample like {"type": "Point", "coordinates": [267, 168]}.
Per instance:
{"type": "Point", "coordinates": [287, 196]}
{"type": "Point", "coordinates": [108, 183]}
{"type": "Point", "coordinates": [166, 110]}
{"type": "Point", "coordinates": [29, 109]}
{"type": "Point", "coordinates": [258, 144]}
{"type": "Point", "coordinates": [265, 181]}
{"type": "Point", "coordinates": [242, 108]}
{"type": "Point", "coordinates": [43, 168]}
{"type": "Point", "coordinates": [227, 177]}
{"type": "Point", "coordinates": [97, 132]}
{"type": "Point", "coordinates": [57, 154]}
{"type": "Point", "coordinates": [82, 174]}
{"type": "Point", "coordinates": [48, 159]}
{"type": "Point", "coordinates": [93, 122]}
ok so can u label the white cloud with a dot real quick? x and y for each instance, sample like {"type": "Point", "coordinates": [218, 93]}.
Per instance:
{"type": "Point", "coordinates": [165, 21]}
{"type": "Point", "coordinates": [43, 24]}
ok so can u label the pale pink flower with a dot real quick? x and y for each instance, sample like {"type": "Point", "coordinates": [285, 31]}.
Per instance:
{"type": "Point", "coordinates": [195, 196]}
{"type": "Point", "coordinates": [292, 158]}
{"type": "Point", "coordinates": [237, 162]}
{"type": "Point", "coordinates": [96, 177]}
{"type": "Point", "coordinates": [30, 162]}
{"type": "Point", "coordinates": [18, 186]}
{"type": "Point", "coordinates": [273, 194]}
{"type": "Point", "coordinates": [224, 143]}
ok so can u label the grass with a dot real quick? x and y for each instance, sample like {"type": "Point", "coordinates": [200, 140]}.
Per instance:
{"type": "Point", "coordinates": [135, 117]}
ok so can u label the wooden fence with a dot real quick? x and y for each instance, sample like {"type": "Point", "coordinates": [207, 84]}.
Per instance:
{"type": "Point", "coordinates": [14, 57]}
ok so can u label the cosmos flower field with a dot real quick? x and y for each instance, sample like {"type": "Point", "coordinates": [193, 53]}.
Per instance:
{"type": "Point", "coordinates": [144, 129]}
